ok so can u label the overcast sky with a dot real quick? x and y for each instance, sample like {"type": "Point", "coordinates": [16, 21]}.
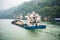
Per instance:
{"type": "Point", "coordinates": [6, 4]}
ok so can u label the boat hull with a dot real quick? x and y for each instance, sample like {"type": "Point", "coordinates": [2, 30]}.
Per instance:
{"type": "Point", "coordinates": [35, 27]}
{"type": "Point", "coordinates": [30, 27]}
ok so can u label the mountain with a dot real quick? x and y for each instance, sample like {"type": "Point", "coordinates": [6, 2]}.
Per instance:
{"type": "Point", "coordinates": [7, 13]}
{"type": "Point", "coordinates": [46, 8]}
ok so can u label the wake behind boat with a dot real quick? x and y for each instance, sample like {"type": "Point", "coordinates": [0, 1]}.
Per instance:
{"type": "Point", "coordinates": [33, 22]}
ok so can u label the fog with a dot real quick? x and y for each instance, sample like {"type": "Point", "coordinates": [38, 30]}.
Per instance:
{"type": "Point", "coordinates": [6, 4]}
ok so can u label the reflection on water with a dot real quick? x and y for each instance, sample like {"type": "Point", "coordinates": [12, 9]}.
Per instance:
{"type": "Point", "coordinates": [9, 31]}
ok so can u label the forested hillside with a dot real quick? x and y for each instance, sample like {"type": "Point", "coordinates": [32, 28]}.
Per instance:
{"type": "Point", "coordinates": [48, 9]}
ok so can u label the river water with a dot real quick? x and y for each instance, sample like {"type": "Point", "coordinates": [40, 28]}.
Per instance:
{"type": "Point", "coordinates": [9, 31]}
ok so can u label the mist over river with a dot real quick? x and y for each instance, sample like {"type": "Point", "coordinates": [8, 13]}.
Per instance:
{"type": "Point", "coordinates": [9, 31]}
